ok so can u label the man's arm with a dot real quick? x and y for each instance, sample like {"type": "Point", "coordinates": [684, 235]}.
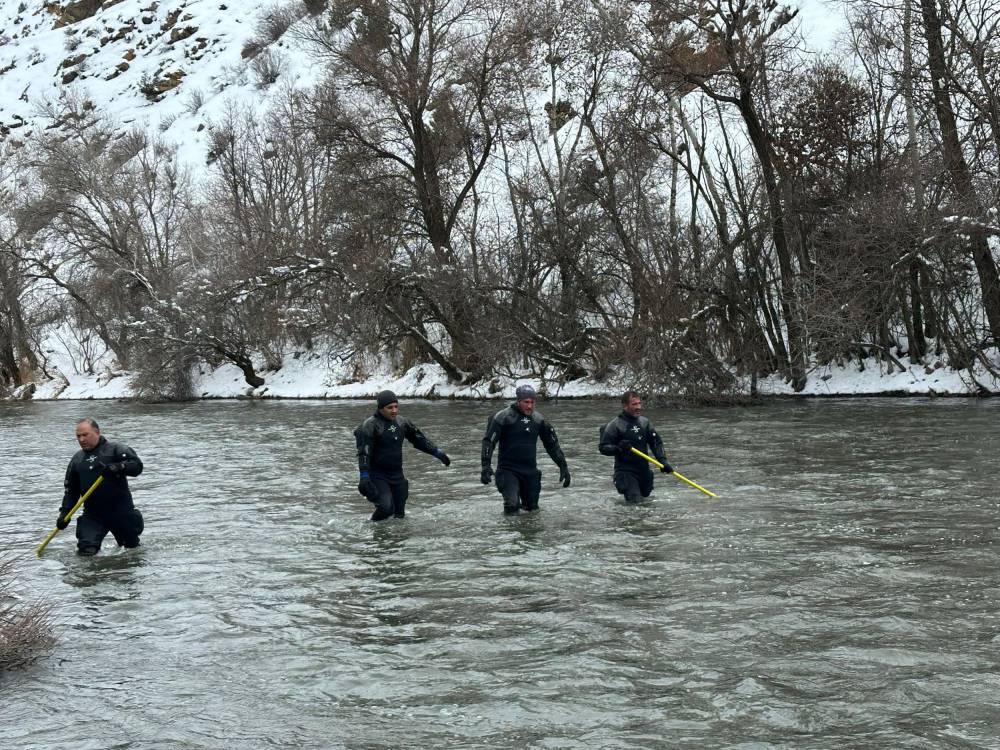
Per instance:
{"type": "Point", "coordinates": [125, 461]}
{"type": "Point", "coordinates": [364, 438]}
{"type": "Point", "coordinates": [551, 442]}
{"type": "Point", "coordinates": [417, 438]}
{"type": "Point", "coordinates": [490, 441]}
{"type": "Point", "coordinates": [610, 437]}
{"type": "Point", "coordinates": [71, 490]}
{"type": "Point", "coordinates": [655, 443]}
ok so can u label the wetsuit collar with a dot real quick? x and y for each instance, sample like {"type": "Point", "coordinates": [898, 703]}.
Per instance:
{"type": "Point", "coordinates": [383, 417]}
{"type": "Point", "coordinates": [100, 441]}
{"type": "Point", "coordinates": [628, 417]}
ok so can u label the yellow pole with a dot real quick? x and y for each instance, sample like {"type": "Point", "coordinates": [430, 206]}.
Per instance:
{"type": "Point", "coordinates": [69, 516]}
{"type": "Point", "coordinates": [683, 478]}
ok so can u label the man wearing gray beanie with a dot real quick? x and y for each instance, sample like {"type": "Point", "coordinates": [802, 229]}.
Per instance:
{"type": "Point", "coordinates": [380, 456]}
{"type": "Point", "coordinates": [517, 429]}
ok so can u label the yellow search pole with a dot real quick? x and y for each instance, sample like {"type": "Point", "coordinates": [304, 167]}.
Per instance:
{"type": "Point", "coordinates": [69, 516]}
{"type": "Point", "coordinates": [683, 478]}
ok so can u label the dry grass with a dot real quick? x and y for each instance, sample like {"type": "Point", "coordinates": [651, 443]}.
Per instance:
{"type": "Point", "coordinates": [25, 628]}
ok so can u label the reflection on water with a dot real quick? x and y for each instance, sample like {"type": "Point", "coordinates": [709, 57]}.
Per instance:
{"type": "Point", "coordinates": [841, 592]}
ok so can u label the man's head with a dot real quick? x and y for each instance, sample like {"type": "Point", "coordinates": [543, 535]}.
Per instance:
{"type": "Point", "coordinates": [525, 396]}
{"type": "Point", "coordinates": [632, 403]}
{"type": "Point", "coordinates": [88, 434]}
{"type": "Point", "coordinates": [388, 404]}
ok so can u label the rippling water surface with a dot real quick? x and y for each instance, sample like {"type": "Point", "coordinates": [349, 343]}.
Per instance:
{"type": "Point", "coordinates": [841, 593]}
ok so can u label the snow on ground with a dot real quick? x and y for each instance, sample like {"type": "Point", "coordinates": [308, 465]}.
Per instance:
{"type": "Point", "coordinates": [879, 378]}
{"type": "Point", "coordinates": [313, 375]}
{"type": "Point", "coordinates": [172, 65]}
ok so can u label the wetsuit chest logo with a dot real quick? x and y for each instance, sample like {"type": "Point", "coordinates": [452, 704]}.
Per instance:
{"type": "Point", "coordinates": [635, 429]}
{"type": "Point", "coordinates": [527, 422]}
{"type": "Point", "coordinates": [392, 429]}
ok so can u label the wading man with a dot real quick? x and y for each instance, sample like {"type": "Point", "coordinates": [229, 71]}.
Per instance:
{"type": "Point", "coordinates": [633, 477]}
{"type": "Point", "coordinates": [517, 429]}
{"type": "Point", "coordinates": [380, 456]}
{"type": "Point", "coordinates": [110, 508]}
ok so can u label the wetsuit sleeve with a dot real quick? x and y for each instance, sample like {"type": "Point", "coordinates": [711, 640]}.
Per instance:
{"type": "Point", "coordinates": [656, 444]}
{"type": "Point", "coordinates": [127, 456]}
{"type": "Point", "coordinates": [551, 442]}
{"type": "Point", "coordinates": [490, 440]}
{"type": "Point", "coordinates": [418, 439]}
{"type": "Point", "coordinates": [71, 490]}
{"type": "Point", "coordinates": [365, 439]}
{"type": "Point", "coordinates": [610, 437]}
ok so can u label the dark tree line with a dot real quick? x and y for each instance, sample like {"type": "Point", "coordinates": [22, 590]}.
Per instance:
{"type": "Point", "coordinates": [675, 194]}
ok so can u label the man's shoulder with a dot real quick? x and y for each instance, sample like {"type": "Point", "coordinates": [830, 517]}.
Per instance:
{"type": "Point", "coordinates": [115, 449]}
{"type": "Point", "coordinates": [504, 413]}
{"type": "Point", "coordinates": [367, 424]}
{"type": "Point", "coordinates": [616, 421]}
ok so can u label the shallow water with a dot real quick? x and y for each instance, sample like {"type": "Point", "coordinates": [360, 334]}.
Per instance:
{"type": "Point", "coordinates": [841, 593]}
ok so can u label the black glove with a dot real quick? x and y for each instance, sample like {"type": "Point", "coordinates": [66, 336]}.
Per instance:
{"type": "Point", "coordinates": [61, 522]}
{"type": "Point", "coordinates": [564, 475]}
{"type": "Point", "coordinates": [113, 470]}
{"type": "Point", "coordinates": [624, 448]}
{"type": "Point", "coordinates": [366, 487]}
{"type": "Point", "coordinates": [442, 457]}
{"type": "Point", "coordinates": [486, 476]}
{"type": "Point", "coordinates": [666, 468]}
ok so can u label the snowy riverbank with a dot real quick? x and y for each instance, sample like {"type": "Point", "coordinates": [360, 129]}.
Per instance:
{"type": "Point", "coordinates": [311, 375]}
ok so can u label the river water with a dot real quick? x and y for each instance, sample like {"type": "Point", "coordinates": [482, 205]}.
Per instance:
{"type": "Point", "coordinates": [842, 592]}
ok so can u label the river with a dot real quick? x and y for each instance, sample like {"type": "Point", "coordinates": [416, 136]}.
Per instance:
{"type": "Point", "coordinates": [842, 591]}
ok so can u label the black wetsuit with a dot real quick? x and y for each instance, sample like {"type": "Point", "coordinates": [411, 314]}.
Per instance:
{"type": "Point", "coordinates": [110, 508]}
{"type": "Point", "coordinates": [518, 478]}
{"type": "Point", "coordinates": [633, 477]}
{"type": "Point", "coordinates": [380, 454]}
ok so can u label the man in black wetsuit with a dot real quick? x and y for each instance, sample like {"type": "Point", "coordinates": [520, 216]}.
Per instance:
{"type": "Point", "coordinates": [110, 508]}
{"type": "Point", "coordinates": [517, 428]}
{"type": "Point", "coordinates": [633, 477]}
{"type": "Point", "coordinates": [380, 456]}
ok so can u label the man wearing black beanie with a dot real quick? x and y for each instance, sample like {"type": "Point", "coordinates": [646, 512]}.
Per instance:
{"type": "Point", "coordinates": [380, 456]}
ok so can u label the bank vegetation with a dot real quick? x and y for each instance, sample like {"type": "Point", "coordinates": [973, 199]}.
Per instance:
{"type": "Point", "coordinates": [673, 194]}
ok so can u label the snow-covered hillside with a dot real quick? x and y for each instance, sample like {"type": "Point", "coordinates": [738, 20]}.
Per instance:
{"type": "Point", "coordinates": [170, 65]}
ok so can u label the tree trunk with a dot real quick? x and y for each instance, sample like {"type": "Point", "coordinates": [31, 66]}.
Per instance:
{"type": "Point", "coordinates": [918, 344]}
{"type": "Point", "coordinates": [789, 292]}
{"type": "Point", "coordinates": [958, 168]}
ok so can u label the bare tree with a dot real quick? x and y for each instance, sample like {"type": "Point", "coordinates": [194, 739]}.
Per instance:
{"type": "Point", "coordinates": [967, 197]}
{"type": "Point", "coordinates": [723, 49]}
{"type": "Point", "coordinates": [415, 95]}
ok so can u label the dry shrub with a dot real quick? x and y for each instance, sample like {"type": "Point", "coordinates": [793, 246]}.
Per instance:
{"type": "Point", "coordinates": [277, 20]}
{"type": "Point", "coordinates": [25, 628]}
{"type": "Point", "coordinates": [267, 67]}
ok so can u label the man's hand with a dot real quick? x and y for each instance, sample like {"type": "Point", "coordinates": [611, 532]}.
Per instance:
{"type": "Point", "coordinates": [564, 475]}
{"type": "Point", "coordinates": [366, 487]}
{"type": "Point", "coordinates": [442, 457]}
{"type": "Point", "coordinates": [624, 448]}
{"type": "Point", "coordinates": [486, 476]}
{"type": "Point", "coordinates": [113, 470]}
{"type": "Point", "coordinates": [666, 468]}
{"type": "Point", "coordinates": [61, 522]}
